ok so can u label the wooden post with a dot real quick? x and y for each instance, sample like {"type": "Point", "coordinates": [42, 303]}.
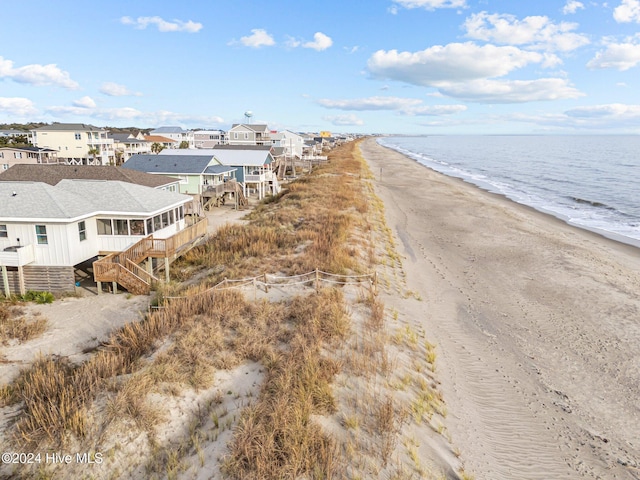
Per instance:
{"type": "Point", "coordinates": [255, 289]}
{"type": "Point", "coordinates": [266, 288]}
{"type": "Point", "coordinates": [99, 285]}
{"type": "Point", "coordinates": [23, 289]}
{"type": "Point", "coordinates": [317, 281]}
{"type": "Point", "coordinates": [5, 281]}
{"type": "Point", "coordinates": [375, 283]}
{"type": "Point", "coordinates": [114, 285]}
{"type": "Point", "coordinates": [166, 269]}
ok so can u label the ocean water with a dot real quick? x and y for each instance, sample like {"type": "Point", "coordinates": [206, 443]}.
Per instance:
{"type": "Point", "coordinates": [592, 182]}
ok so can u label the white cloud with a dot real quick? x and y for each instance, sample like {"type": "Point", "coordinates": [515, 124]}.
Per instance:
{"type": "Point", "coordinates": [371, 103]}
{"type": "Point", "coordinates": [351, 50]}
{"type": "Point", "coordinates": [436, 110]}
{"type": "Point", "coordinates": [572, 6]}
{"type": "Point", "coordinates": [163, 25]}
{"type": "Point", "coordinates": [405, 106]}
{"type": "Point", "coordinates": [320, 42]}
{"type": "Point", "coordinates": [511, 91]}
{"type": "Point", "coordinates": [621, 56]}
{"type": "Point", "coordinates": [36, 74]}
{"type": "Point", "coordinates": [258, 38]}
{"type": "Point", "coordinates": [85, 102]}
{"type": "Point", "coordinates": [537, 32]}
{"type": "Point", "coordinates": [20, 107]}
{"type": "Point", "coordinates": [628, 11]}
{"type": "Point", "coordinates": [429, 4]}
{"type": "Point", "coordinates": [344, 120]}
{"type": "Point", "coordinates": [134, 115]}
{"type": "Point", "coordinates": [614, 111]}
{"type": "Point", "coordinates": [455, 62]}
{"type": "Point", "coordinates": [116, 90]}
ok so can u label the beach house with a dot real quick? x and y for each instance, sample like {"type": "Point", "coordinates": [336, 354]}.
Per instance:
{"type": "Point", "coordinates": [249, 134]}
{"type": "Point", "coordinates": [76, 143]}
{"type": "Point", "coordinates": [47, 230]}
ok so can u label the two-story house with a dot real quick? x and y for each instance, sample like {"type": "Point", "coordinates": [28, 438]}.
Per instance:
{"type": "Point", "coordinates": [249, 134]}
{"type": "Point", "coordinates": [76, 143]}
{"type": "Point", "coordinates": [209, 138]}
{"type": "Point", "coordinates": [175, 133]}
{"type": "Point", "coordinates": [10, 156]}
{"type": "Point", "coordinates": [126, 145]}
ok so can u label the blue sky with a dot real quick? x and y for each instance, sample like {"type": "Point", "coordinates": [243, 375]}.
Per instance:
{"type": "Point", "coordinates": [380, 66]}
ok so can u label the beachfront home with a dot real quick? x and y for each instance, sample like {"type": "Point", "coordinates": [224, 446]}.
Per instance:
{"type": "Point", "coordinates": [253, 165]}
{"type": "Point", "coordinates": [76, 143]}
{"type": "Point", "coordinates": [127, 144]}
{"type": "Point", "coordinates": [164, 142]}
{"type": "Point", "coordinates": [54, 174]}
{"type": "Point", "coordinates": [10, 156]}
{"type": "Point", "coordinates": [45, 231]}
{"type": "Point", "coordinates": [177, 134]}
{"type": "Point", "coordinates": [209, 138]}
{"type": "Point", "coordinates": [249, 134]}
{"type": "Point", "coordinates": [292, 143]}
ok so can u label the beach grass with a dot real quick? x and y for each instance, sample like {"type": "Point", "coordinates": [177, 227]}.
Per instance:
{"type": "Point", "coordinates": [322, 355]}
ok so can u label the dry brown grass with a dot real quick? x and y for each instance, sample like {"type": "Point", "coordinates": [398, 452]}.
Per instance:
{"type": "Point", "coordinates": [320, 221]}
{"type": "Point", "coordinates": [14, 326]}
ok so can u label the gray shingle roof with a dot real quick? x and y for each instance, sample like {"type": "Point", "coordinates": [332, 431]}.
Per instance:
{"type": "Point", "coordinates": [73, 199]}
{"type": "Point", "coordinates": [169, 164]}
{"type": "Point", "coordinates": [53, 174]}
{"type": "Point", "coordinates": [218, 169]}
{"type": "Point", "coordinates": [69, 127]}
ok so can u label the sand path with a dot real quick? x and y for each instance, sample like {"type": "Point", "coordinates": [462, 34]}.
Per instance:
{"type": "Point", "coordinates": [537, 325]}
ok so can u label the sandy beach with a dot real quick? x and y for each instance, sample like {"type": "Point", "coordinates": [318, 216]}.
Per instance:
{"type": "Point", "coordinates": [537, 326]}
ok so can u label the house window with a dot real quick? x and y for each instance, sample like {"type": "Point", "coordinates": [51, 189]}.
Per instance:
{"type": "Point", "coordinates": [41, 234]}
{"type": "Point", "coordinates": [17, 154]}
{"type": "Point", "coordinates": [82, 231]}
{"type": "Point", "coordinates": [137, 227]}
{"type": "Point", "coordinates": [1, 154]}
{"type": "Point", "coordinates": [78, 136]}
{"type": "Point", "coordinates": [165, 219]}
{"type": "Point", "coordinates": [235, 135]}
{"type": "Point", "coordinates": [121, 227]}
{"type": "Point", "coordinates": [5, 166]}
{"type": "Point", "coordinates": [104, 226]}
{"type": "Point", "coordinates": [3, 231]}
{"type": "Point", "coordinates": [157, 223]}
{"type": "Point", "coordinates": [149, 226]}
{"type": "Point", "coordinates": [172, 219]}
{"type": "Point", "coordinates": [246, 136]}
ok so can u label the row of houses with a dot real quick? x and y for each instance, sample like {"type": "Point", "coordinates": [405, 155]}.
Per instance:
{"type": "Point", "coordinates": [61, 208]}
{"type": "Point", "coordinates": [81, 144]}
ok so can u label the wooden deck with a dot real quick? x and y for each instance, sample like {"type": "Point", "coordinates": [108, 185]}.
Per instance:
{"type": "Point", "coordinates": [124, 267]}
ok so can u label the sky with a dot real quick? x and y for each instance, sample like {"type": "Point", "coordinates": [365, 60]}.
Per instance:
{"type": "Point", "coordinates": [375, 66]}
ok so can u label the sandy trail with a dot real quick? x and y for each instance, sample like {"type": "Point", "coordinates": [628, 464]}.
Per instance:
{"type": "Point", "coordinates": [537, 325]}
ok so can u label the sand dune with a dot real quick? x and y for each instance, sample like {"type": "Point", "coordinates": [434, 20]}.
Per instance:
{"type": "Point", "coordinates": [537, 325]}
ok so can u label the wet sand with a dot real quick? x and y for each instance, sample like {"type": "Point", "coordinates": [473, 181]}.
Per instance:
{"type": "Point", "coordinates": [537, 325]}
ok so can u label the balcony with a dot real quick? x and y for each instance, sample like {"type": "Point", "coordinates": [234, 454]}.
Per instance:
{"type": "Point", "coordinates": [17, 256]}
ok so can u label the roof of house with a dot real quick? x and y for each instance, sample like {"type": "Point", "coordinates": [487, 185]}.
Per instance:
{"type": "Point", "coordinates": [161, 130]}
{"type": "Point", "coordinates": [218, 169]}
{"type": "Point", "coordinates": [125, 138]}
{"type": "Point", "coordinates": [29, 149]}
{"type": "Point", "coordinates": [158, 139]}
{"type": "Point", "coordinates": [242, 147]}
{"type": "Point", "coordinates": [74, 199]}
{"type": "Point", "coordinates": [171, 164]}
{"type": "Point", "coordinates": [68, 127]}
{"type": "Point", "coordinates": [256, 127]}
{"type": "Point", "coordinates": [255, 158]}
{"type": "Point", "coordinates": [53, 174]}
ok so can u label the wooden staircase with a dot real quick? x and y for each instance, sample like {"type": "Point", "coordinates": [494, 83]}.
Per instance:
{"type": "Point", "coordinates": [124, 267]}
{"type": "Point", "coordinates": [234, 187]}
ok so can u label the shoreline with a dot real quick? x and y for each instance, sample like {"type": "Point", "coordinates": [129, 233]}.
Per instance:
{"type": "Point", "coordinates": [536, 323]}
{"type": "Point", "coordinates": [633, 242]}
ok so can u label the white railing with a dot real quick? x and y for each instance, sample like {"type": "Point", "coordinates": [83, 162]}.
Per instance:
{"type": "Point", "coordinates": [254, 178]}
{"type": "Point", "coordinates": [18, 257]}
